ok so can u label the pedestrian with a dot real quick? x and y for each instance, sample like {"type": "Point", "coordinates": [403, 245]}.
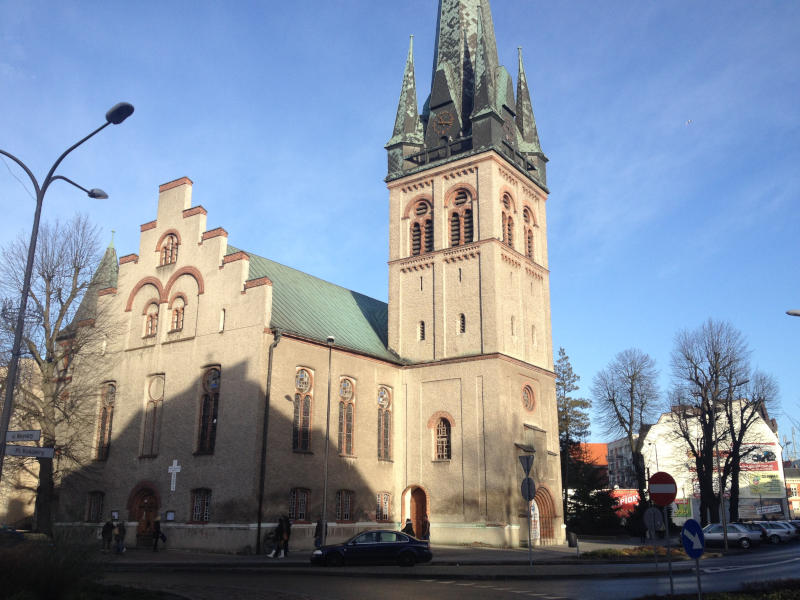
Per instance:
{"type": "Point", "coordinates": [409, 528]}
{"type": "Point", "coordinates": [119, 536]}
{"type": "Point", "coordinates": [107, 533]}
{"type": "Point", "coordinates": [318, 533]}
{"type": "Point", "coordinates": [282, 534]}
{"type": "Point", "coordinates": [426, 529]}
{"type": "Point", "coordinates": [157, 534]}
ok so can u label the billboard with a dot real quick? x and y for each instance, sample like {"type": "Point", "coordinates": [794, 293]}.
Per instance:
{"type": "Point", "coordinates": [626, 501]}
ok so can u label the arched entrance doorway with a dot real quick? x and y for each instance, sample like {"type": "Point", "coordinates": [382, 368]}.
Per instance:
{"type": "Point", "coordinates": [545, 515]}
{"type": "Point", "coordinates": [415, 507]}
{"type": "Point", "coordinates": [143, 505]}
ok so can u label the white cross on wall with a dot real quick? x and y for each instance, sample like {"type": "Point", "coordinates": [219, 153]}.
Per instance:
{"type": "Point", "coordinates": [173, 471]}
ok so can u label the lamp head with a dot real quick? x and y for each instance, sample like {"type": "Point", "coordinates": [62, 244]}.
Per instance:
{"type": "Point", "coordinates": [331, 340]}
{"type": "Point", "coordinates": [119, 112]}
{"type": "Point", "coordinates": [98, 194]}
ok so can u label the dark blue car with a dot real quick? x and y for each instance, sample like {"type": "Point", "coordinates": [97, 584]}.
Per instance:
{"type": "Point", "coordinates": [375, 547]}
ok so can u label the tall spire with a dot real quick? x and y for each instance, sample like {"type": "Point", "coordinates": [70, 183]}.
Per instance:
{"type": "Point", "coordinates": [485, 73]}
{"type": "Point", "coordinates": [525, 121]}
{"type": "Point", "coordinates": [407, 126]}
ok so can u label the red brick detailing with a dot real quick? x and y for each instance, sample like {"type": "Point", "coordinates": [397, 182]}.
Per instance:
{"type": "Point", "coordinates": [234, 257]}
{"type": "Point", "coordinates": [506, 191]}
{"type": "Point", "coordinates": [134, 258]}
{"type": "Point", "coordinates": [148, 304]}
{"type": "Point", "coordinates": [451, 193]}
{"type": "Point", "coordinates": [410, 206]}
{"type": "Point", "coordinates": [195, 210]}
{"type": "Point", "coordinates": [184, 271]}
{"type": "Point", "coordinates": [251, 283]}
{"type": "Point", "coordinates": [107, 291]}
{"type": "Point", "coordinates": [177, 295]}
{"type": "Point", "coordinates": [165, 234]}
{"type": "Point", "coordinates": [146, 281]}
{"type": "Point", "coordinates": [441, 414]}
{"type": "Point", "coordinates": [148, 226]}
{"type": "Point", "coordinates": [173, 184]}
{"type": "Point", "coordinates": [219, 231]}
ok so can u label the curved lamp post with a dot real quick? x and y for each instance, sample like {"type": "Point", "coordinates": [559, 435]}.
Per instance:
{"type": "Point", "coordinates": [116, 115]}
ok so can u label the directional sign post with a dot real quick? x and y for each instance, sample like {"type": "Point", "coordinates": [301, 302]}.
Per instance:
{"type": "Point", "coordinates": [31, 435]}
{"type": "Point", "coordinates": [663, 489]}
{"type": "Point", "coordinates": [528, 490]}
{"type": "Point", "coordinates": [694, 544]}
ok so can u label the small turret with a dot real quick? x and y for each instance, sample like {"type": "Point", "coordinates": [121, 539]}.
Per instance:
{"type": "Point", "coordinates": [407, 137]}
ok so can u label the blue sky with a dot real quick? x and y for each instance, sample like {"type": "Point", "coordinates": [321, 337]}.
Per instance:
{"type": "Point", "coordinates": [672, 130]}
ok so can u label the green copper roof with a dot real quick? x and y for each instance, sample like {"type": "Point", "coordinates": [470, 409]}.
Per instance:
{"type": "Point", "coordinates": [315, 309]}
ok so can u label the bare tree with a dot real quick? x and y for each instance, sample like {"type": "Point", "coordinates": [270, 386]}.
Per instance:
{"type": "Point", "coordinates": [65, 325]}
{"type": "Point", "coordinates": [626, 395]}
{"type": "Point", "coordinates": [715, 400]}
{"type": "Point", "coordinates": [573, 419]}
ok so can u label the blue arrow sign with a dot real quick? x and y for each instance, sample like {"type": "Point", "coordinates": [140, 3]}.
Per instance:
{"type": "Point", "coordinates": [694, 541]}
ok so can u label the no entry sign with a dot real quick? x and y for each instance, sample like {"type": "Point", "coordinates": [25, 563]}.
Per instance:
{"type": "Point", "coordinates": [662, 489]}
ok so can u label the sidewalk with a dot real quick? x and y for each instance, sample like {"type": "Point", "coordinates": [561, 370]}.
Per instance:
{"type": "Point", "coordinates": [449, 562]}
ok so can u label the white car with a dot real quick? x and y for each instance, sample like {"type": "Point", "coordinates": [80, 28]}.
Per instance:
{"type": "Point", "coordinates": [738, 534]}
{"type": "Point", "coordinates": [777, 532]}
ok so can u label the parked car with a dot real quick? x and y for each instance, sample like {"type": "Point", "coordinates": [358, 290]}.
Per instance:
{"type": "Point", "coordinates": [738, 534]}
{"type": "Point", "coordinates": [795, 533]}
{"type": "Point", "coordinates": [375, 547]}
{"type": "Point", "coordinates": [776, 533]}
{"type": "Point", "coordinates": [762, 533]}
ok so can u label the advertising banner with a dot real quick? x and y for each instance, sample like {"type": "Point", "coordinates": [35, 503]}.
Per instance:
{"type": "Point", "coordinates": [626, 501]}
{"type": "Point", "coordinates": [683, 508]}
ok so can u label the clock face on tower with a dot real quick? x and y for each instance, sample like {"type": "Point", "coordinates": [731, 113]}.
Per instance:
{"type": "Point", "coordinates": [442, 122]}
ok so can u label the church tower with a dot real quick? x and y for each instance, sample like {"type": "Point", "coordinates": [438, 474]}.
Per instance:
{"type": "Point", "coordinates": [467, 183]}
{"type": "Point", "coordinates": [469, 295]}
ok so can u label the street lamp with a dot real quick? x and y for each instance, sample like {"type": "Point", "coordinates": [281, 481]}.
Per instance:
{"type": "Point", "coordinates": [654, 445]}
{"type": "Point", "coordinates": [330, 342]}
{"type": "Point", "coordinates": [116, 115]}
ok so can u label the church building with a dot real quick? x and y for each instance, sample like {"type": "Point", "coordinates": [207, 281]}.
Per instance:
{"type": "Point", "coordinates": [239, 389]}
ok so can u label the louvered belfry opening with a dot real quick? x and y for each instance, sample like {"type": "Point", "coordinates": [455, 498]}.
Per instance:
{"type": "Point", "coordinates": [455, 229]}
{"type": "Point", "coordinates": [467, 225]}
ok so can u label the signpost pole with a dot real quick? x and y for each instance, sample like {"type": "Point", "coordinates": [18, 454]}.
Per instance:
{"type": "Point", "coordinates": [699, 586]}
{"type": "Point", "coordinates": [530, 548]}
{"type": "Point", "coordinates": [528, 492]}
{"type": "Point", "coordinates": [694, 544]}
{"type": "Point", "coordinates": [669, 554]}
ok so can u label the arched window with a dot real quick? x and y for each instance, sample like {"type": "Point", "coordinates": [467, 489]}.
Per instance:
{"type": "Point", "coordinates": [178, 307]}
{"type": "Point", "coordinates": [461, 219]}
{"type": "Point", "coordinates": [462, 323]}
{"type": "Point", "coordinates": [528, 398]}
{"type": "Point", "coordinates": [152, 416]}
{"type": "Point", "coordinates": [151, 320]}
{"type": "Point", "coordinates": [508, 221]}
{"type": "Point", "coordinates": [301, 425]}
{"type": "Point", "coordinates": [384, 424]}
{"type": "Point", "coordinates": [344, 505]}
{"type": "Point", "coordinates": [421, 331]}
{"type": "Point", "coordinates": [108, 396]}
{"type": "Point", "coordinates": [346, 416]}
{"type": "Point", "coordinates": [422, 228]}
{"type": "Point", "coordinates": [209, 411]}
{"type": "Point", "coordinates": [94, 508]}
{"type": "Point", "coordinates": [169, 250]}
{"type": "Point", "coordinates": [383, 511]}
{"type": "Point", "coordinates": [443, 439]}
{"type": "Point", "coordinates": [529, 221]}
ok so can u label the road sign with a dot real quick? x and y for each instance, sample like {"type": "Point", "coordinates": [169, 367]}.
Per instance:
{"type": "Point", "coordinates": [528, 489]}
{"type": "Point", "coordinates": [769, 508]}
{"type": "Point", "coordinates": [526, 460]}
{"type": "Point", "coordinates": [653, 521]}
{"type": "Point", "coordinates": [694, 542]}
{"type": "Point", "coordinates": [662, 489]}
{"type": "Point", "coordinates": [29, 451]}
{"type": "Point", "coordinates": [31, 435]}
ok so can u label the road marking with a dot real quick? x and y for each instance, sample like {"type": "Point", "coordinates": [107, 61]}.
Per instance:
{"type": "Point", "coordinates": [446, 582]}
{"type": "Point", "coordinates": [426, 580]}
{"type": "Point", "coordinates": [473, 583]}
{"type": "Point", "coordinates": [745, 567]}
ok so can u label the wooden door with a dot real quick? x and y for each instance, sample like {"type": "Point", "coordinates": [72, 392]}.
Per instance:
{"type": "Point", "coordinates": [145, 511]}
{"type": "Point", "coordinates": [418, 510]}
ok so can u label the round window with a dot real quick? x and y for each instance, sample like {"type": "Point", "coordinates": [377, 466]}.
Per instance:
{"type": "Point", "coordinates": [528, 399]}
{"type": "Point", "coordinates": [346, 389]}
{"type": "Point", "coordinates": [383, 397]}
{"type": "Point", "coordinates": [302, 380]}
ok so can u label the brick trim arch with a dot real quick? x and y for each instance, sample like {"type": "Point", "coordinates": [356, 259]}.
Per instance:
{"type": "Point", "coordinates": [441, 414]}
{"type": "Point", "coordinates": [143, 282]}
{"type": "Point", "coordinates": [451, 193]}
{"type": "Point", "coordinates": [185, 271]}
{"type": "Point", "coordinates": [164, 235]}
{"type": "Point", "coordinates": [534, 220]}
{"type": "Point", "coordinates": [507, 191]}
{"type": "Point", "coordinates": [149, 303]}
{"type": "Point", "coordinates": [177, 295]}
{"type": "Point", "coordinates": [413, 201]}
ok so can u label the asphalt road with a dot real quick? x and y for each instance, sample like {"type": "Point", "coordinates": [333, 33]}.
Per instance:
{"type": "Point", "coordinates": [764, 565]}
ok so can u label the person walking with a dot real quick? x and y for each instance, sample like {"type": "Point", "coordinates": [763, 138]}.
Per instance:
{"type": "Point", "coordinates": [119, 536]}
{"type": "Point", "coordinates": [409, 528]}
{"type": "Point", "coordinates": [426, 529]}
{"type": "Point", "coordinates": [282, 534]}
{"type": "Point", "coordinates": [157, 535]}
{"type": "Point", "coordinates": [107, 534]}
